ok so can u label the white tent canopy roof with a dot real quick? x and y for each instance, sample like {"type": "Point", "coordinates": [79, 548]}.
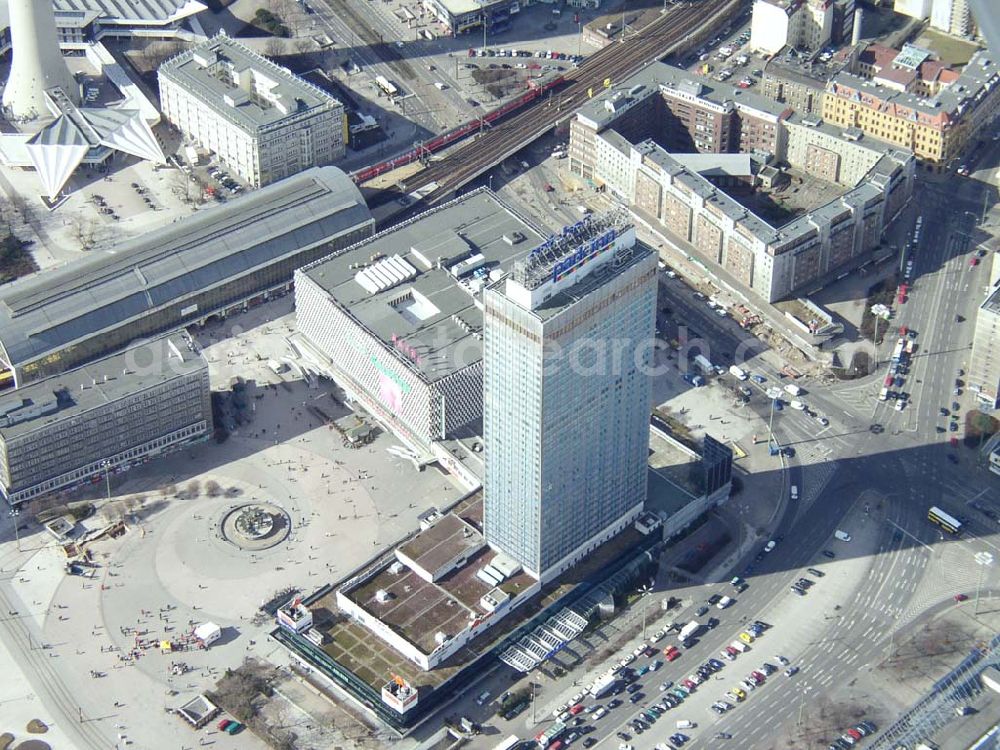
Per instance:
{"type": "Point", "coordinates": [58, 148]}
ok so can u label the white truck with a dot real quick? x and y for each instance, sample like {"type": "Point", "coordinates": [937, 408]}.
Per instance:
{"type": "Point", "coordinates": [738, 372]}
{"type": "Point", "coordinates": [604, 685]}
{"type": "Point", "coordinates": [704, 364]}
{"type": "Point", "coordinates": [688, 630]}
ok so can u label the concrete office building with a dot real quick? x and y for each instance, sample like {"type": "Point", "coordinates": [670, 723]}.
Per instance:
{"type": "Point", "coordinates": [262, 121]}
{"type": "Point", "coordinates": [396, 320]}
{"type": "Point", "coordinates": [566, 394]}
{"type": "Point", "coordinates": [214, 262]}
{"type": "Point", "coordinates": [950, 16]}
{"type": "Point", "coordinates": [803, 24]}
{"type": "Point", "coordinates": [72, 428]}
{"type": "Point", "coordinates": [625, 141]}
{"type": "Point", "coordinates": [462, 16]}
{"type": "Point", "coordinates": [984, 364]}
{"type": "Point", "coordinates": [936, 127]}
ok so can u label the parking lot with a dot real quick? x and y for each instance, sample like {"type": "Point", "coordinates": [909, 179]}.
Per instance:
{"type": "Point", "coordinates": [653, 687]}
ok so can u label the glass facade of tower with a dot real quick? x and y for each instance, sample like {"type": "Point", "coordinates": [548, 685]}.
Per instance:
{"type": "Point", "coordinates": [566, 411]}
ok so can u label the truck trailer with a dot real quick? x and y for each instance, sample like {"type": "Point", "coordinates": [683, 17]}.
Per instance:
{"type": "Point", "coordinates": [604, 685]}
{"type": "Point", "coordinates": [688, 630]}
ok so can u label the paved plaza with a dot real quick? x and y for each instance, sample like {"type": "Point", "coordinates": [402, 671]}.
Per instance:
{"type": "Point", "coordinates": [174, 568]}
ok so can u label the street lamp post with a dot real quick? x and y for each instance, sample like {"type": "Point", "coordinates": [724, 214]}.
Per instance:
{"type": "Point", "coordinates": [107, 475]}
{"type": "Point", "coordinates": [13, 513]}
{"type": "Point", "coordinates": [643, 593]}
{"type": "Point", "coordinates": [984, 560]}
{"type": "Point", "coordinates": [770, 424]}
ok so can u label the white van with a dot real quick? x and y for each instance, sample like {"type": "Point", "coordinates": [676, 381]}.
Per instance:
{"type": "Point", "coordinates": [842, 535]}
{"type": "Point", "coordinates": [685, 724]}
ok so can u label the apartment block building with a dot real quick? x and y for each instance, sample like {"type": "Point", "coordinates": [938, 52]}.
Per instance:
{"type": "Point", "coordinates": [262, 121]}
{"type": "Point", "coordinates": [803, 24]}
{"type": "Point", "coordinates": [681, 112]}
{"type": "Point", "coordinates": [682, 198]}
{"type": "Point", "coordinates": [73, 428]}
{"type": "Point", "coordinates": [799, 80]}
{"type": "Point", "coordinates": [938, 127]}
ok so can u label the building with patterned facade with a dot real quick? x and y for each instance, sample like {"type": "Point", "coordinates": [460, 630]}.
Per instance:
{"type": "Point", "coordinates": [261, 120]}
{"type": "Point", "coordinates": [396, 320]}
{"type": "Point", "coordinates": [935, 116]}
{"type": "Point", "coordinates": [627, 141]}
{"type": "Point", "coordinates": [75, 427]}
{"type": "Point", "coordinates": [568, 349]}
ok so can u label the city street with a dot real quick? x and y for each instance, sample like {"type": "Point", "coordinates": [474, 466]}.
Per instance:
{"type": "Point", "coordinates": [871, 471]}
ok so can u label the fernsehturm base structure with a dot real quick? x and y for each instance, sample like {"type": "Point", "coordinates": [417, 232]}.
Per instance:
{"type": "Point", "coordinates": [36, 63]}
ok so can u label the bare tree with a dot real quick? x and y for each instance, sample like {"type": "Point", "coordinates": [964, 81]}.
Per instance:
{"type": "Point", "coordinates": [134, 502]}
{"type": "Point", "coordinates": [83, 230]}
{"type": "Point", "coordinates": [113, 511]}
{"type": "Point", "coordinates": [287, 11]}
{"type": "Point", "coordinates": [184, 188]}
{"type": "Point", "coordinates": [13, 211]}
{"type": "Point", "coordinates": [274, 47]}
{"type": "Point", "coordinates": [303, 45]}
{"type": "Point", "coordinates": [239, 688]}
{"type": "Point", "coordinates": [153, 54]}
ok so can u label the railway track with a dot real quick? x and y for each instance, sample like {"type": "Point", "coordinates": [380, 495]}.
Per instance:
{"type": "Point", "coordinates": [615, 62]}
{"type": "Point", "coordinates": [56, 697]}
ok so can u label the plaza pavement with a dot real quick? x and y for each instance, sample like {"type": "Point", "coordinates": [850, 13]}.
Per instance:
{"type": "Point", "coordinates": [345, 506]}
